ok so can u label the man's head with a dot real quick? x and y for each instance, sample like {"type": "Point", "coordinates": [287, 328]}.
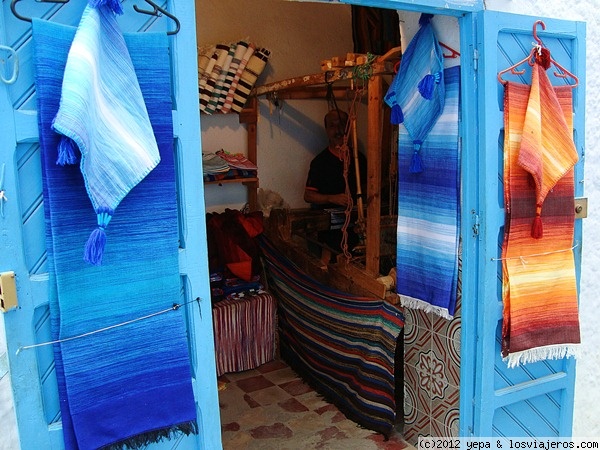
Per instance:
{"type": "Point", "coordinates": [335, 125]}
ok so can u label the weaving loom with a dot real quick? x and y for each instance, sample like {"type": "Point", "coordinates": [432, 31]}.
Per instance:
{"type": "Point", "coordinates": [128, 385]}
{"type": "Point", "coordinates": [344, 346]}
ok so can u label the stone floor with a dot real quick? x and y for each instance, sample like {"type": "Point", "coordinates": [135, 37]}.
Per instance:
{"type": "Point", "coordinates": [271, 408]}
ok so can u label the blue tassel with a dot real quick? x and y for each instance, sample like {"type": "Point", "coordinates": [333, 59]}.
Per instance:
{"type": "Point", "coordinates": [113, 5]}
{"type": "Point", "coordinates": [416, 164]}
{"type": "Point", "coordinates": [424, 19]}
{"type": "Point", "coordinates": [397, 116]}
{"type": "Point", "coordinates": [66, 151]}
{"type": "Point", "coordinates": [427, 84]}
{"type": "Point", "coordinates": [94, 247]}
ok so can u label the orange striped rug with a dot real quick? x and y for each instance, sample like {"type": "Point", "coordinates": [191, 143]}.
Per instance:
{"type": "Point", "coordinates": [539, 283]}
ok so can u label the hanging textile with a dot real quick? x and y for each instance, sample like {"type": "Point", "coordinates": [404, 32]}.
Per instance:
{"type": "Point", "coordinates": [128, 385]}
{"type": "Point", "coordinates": [416, 94]}
{"type": "Point", "coordinates": [345, 346]}
{"type": "Point", "coordinates": [429, 214]}
{"type": "Point", "coordinates": [540, 318]}
{"type": "Point", "coordinates": [102, 111]}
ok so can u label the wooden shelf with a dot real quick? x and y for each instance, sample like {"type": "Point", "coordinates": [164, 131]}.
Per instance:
{"type": "Point", "coordinates": [248, 181]}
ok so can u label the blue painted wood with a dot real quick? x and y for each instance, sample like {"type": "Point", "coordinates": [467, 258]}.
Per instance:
{"type": "Point", "coordinates": [495, 401]}
{"type": "Point", "coordinates": [22, 227]}
{"type": "Point", "coordinates": [534, 399]}
{"type": "Point", "coordinates": [451, 7]}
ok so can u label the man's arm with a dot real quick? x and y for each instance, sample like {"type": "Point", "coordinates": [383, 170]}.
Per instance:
{"type": "Point", "coordinates": [313, 196]}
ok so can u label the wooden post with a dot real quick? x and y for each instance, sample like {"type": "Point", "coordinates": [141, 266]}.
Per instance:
{"type": "Point", "coordinates": [249, 117]}
{"type": "Point", "coordinates": [375, 113]}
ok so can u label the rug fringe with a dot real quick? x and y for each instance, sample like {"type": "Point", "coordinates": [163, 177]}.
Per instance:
{"type": "Point", "coordinates": [415, 303]}
{"type": "Point", "coordinates": [151, 437]}
{"type": "Point", "coordinates": [557, 351]}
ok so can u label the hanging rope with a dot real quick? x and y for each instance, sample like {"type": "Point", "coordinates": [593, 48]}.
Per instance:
{"type": "Point", "coordinates": [363, 72]}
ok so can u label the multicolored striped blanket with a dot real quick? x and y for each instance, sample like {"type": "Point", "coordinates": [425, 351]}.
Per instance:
{"type": "Point", "coordinates": [345, 346]}
{"type": "Point", "coordinates": [244, 332]}
{"type": "Point", "coordinates": [122, 363]}
{"type": "Point", "coordinates": [428, 212]}
{"type": "Point", "coordinates": [539, 282]}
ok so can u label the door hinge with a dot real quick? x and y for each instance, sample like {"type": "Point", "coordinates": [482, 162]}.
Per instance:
{"type": "Point", "coordinates": [475, 59]}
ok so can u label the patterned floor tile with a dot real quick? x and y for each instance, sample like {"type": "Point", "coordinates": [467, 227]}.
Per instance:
{"type": "Point", "coordinates": [253, 383]}
{"type": "Point", "coordinates": [271, 408]}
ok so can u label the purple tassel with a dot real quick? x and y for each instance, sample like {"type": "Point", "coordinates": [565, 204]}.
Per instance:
{"type": "Point", "coordinates": [113, 5]}
{"type": "Point", "coordinates": [94, 247]}
{"type": "Point", "coordinates": [427, 84]}
{"type": "Point", "coordinates": [66, 151]}
{"type": "Point", "coordinates": [416, 164]}
{"type": "Point", "coordinates": [397, 116]}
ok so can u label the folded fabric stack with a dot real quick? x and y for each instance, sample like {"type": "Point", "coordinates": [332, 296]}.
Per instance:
{"type": "Point", "coordinates": [227, 73]}
{"type": "Point", "coordinates": [223, 165]}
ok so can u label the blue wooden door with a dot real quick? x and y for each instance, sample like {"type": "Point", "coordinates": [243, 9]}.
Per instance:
{"type": "Point", "coordinates": [22, 220]}
{"type": "Point", "coordinates": [534, 399]}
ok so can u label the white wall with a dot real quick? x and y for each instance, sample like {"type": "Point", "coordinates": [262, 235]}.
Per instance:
{"type": "Point", "coordinates": [299, 36]}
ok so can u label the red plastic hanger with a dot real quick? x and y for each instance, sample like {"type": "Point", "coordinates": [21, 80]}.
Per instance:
{"type": "Point", "coordinates": [530, 59]}
{"type": "Point", "coordinates": [453, 53]}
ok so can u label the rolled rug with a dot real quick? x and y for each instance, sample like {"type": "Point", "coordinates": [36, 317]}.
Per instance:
{"type": "Point", "coordinates": [256, 64]}
{"type": "Point", "coordinates": [220, 91]}
{"type": "Point", "coordinates": [236, 78]}
{"type": "Point", "coordinates": [221, 52]}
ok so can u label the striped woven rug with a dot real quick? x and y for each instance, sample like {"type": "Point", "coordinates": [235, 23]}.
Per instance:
{"type": "Point", "coordinates": [244, 332]}
{"type": "Point", "coordinates": [343, 345]}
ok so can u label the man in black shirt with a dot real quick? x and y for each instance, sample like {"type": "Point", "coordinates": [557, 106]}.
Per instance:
{"type": "Point", "coordinates": [326, 184]}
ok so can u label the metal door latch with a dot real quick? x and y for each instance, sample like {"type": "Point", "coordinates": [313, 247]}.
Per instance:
{"type": "Point", "coordinates": [581, 207]}
{"type": "Point", "coordinates": [8, 291]}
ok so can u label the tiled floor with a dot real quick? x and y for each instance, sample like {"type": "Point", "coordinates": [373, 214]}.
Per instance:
{"type": "Point", "coordinates": [272, 408]}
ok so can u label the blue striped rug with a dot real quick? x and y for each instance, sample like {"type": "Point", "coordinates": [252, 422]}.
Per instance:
{"type": "Point", "coordinates": [130, 385]}
{"type": "Point", "coordinates": [428, 212]}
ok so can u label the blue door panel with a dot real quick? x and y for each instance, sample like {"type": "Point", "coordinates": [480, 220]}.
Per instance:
{"type": "Point", "coordinates": [32, 371]}
{"type": "Point", "coordinates": [533, 399]}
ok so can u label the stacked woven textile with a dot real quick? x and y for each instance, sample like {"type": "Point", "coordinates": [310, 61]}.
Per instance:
{"type": "Point", "coordinates": [227, 73]}
{"type": "Point", "coordinates": [223, 165]}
